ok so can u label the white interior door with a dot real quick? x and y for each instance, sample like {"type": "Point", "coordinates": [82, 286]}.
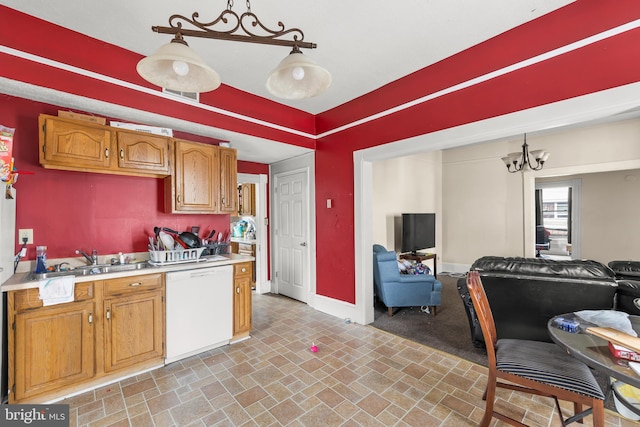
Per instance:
{"type": "Point", "coordinates": [291, 230]}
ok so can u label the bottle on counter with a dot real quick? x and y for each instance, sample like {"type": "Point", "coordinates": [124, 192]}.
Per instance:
{"type": "Point", "coordinates": [41, 259]}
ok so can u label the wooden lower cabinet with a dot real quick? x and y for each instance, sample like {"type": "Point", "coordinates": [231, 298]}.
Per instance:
{"type": "Point", "coordinates": [113, 328]}
{"type": "Point", "coordinates": [134, 329]}
{"type": "Point", "coordinates": [54, 348]}
{"type": "Point", "coordinates": [241, 300]}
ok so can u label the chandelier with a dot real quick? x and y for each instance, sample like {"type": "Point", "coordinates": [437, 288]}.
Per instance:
{"type": "Point", "coordinates": [522, 160]}
{"type": "Point", "coordinates": [177, 67]}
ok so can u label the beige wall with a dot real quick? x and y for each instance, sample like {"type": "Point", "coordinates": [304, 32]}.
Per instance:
{"type": "Point", "coordinates": [487, 210]}
{"type": "Point", "coordinates": [483, 210]}
{"type": "Point", "coordinates": [406, 184]}
{"type": "Point", "coordinates": [609, 214]}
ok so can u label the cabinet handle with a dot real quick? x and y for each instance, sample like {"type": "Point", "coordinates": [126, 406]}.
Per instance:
{"type": "Point", "coordinates": [178, 198]}
{"type": "Point", "coordinates": [106, 153]}
{"type": "Point", "coordinates": [244, 269]}
{"type": "Point", "coordinates": [91, 318]}
{"type": "Point", "coordinates": [108, 313]}
{"type": "Point", "coordinates": [238, 290]}
{"type": "Point", "coordinates": [135, 284]}
{"type": "Point", "coordinates": [121, 153]}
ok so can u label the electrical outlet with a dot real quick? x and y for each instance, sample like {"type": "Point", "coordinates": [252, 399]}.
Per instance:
{"type": "Point", "coordinates": [26, 233]}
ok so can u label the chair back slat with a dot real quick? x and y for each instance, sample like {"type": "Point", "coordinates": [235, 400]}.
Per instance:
{"type": "Point", "coordinates": [483, 311]}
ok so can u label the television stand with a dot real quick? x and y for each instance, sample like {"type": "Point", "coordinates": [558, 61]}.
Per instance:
{"type": "Point", "coordinates": [420, 258]}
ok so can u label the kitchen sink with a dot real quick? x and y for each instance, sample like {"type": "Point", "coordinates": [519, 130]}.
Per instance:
{"type": "Point", "coordinates": [86, 270]}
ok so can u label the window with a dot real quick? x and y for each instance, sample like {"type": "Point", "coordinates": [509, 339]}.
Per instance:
{"type": "Point", "coordinates": [556, 212]}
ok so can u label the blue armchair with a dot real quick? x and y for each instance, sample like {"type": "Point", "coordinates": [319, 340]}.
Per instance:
{"type": "Point", "coordinates": [402, 290]}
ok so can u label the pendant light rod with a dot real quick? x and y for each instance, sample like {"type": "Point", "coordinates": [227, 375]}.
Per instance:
{"type": "Point", "coordinates": [240, 23]}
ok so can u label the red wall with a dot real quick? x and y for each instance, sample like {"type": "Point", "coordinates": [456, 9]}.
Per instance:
{"type": "Point", "coordinates": [599, 66]}
{"type": "Point", "coordinates": [79, 210]}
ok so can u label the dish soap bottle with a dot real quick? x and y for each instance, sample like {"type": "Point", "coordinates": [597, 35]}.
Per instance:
{"type": "Point", "coordinates": [41, 259]}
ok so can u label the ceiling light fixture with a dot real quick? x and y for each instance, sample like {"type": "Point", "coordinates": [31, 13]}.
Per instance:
{"type": "Point", "coordinates": [522, 160]}
{"type": "Point", "coordinates": [177, 67]}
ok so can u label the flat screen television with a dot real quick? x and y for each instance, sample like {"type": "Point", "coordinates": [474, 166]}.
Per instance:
{"type": "Point", "coordinates": [418, 231]}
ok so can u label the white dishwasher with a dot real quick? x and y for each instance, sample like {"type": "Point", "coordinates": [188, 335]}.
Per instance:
{"type": "Point", "coordinates": [199, 310]}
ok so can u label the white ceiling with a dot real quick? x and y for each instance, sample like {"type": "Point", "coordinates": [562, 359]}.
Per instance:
{"type": "Point", "coordinates": [364, 44]}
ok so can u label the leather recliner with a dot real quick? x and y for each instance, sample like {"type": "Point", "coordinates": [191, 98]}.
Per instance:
{"type": "Point", "coordinates": [628, 293]}
{"type": "Point", "coordinates": [524, 293]}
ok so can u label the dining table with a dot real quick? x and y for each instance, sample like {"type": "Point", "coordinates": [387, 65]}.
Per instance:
{"type": "Point", "coordinates": [593, 350]}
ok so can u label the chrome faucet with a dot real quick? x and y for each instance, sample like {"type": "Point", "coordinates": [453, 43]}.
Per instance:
{"type": "Point", "coordinates": [93, 259]}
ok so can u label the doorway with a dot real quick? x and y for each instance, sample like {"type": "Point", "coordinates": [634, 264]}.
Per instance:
{"type": "Point", "coordinates": [262, 284]}
{"type": "Point", "coordinates": [557, 205]}
{"type": "Point", "coordinates": [293, 239]}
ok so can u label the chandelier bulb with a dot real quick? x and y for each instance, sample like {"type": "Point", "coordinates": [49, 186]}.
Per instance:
{"type": "Point", "coordinates": [297, 73]}
{"type": "Point", "coordinates": [181, 68]}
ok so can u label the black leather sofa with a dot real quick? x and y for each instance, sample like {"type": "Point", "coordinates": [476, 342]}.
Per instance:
{"type": "Point", "coordinates": [628, 277]}
{"type": "Point", "coordinates": [524, 293]}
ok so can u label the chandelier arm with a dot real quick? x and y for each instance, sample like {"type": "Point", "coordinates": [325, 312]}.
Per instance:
{"type": "Point", "coordinates": [205, 30]}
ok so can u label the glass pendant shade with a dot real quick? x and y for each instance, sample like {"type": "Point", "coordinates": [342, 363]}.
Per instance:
{"type": "Point", "coordinates": [177, 67]}
{"type": "Point", "coordinates": [298, 77]}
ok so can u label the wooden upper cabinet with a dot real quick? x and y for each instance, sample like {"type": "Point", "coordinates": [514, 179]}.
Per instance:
{"type": "Point", "coordinates": [247, 199]}
{"type": "Point", "coordinates": [72, 145]}
{"type": "Point", "coordinates": [192, 188]}
{"type": "Point", "coordinates": [204, 179]}
{"type": "Point", "coordinates": [139, 151]}
{"type": "Point", "coordinates": [227, 197]}
{"type": "Point", "coordinates": [83, 146]}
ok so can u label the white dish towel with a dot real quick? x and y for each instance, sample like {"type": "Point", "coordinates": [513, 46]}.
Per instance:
{"type": "Point", "coordinates": [57, 290]}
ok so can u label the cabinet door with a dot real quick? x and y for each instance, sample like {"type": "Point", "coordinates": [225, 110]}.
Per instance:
{"type": "Point", "coordinates": [73, 144]}
{"type": "Point", "coordinates": [242, 299]}
{"type": "Point", "coordinates": [246, 199]}
{"type": "Point", "coordinates": [143, 153]}
{"type": "Point", "coordinates": [195, 181]}
{"type": "Point", "coordinates": [227, 197]}
{"type": "Point", "coordinates": [54, 348]}
{"type": "Point", "coordinates": [134, 329]}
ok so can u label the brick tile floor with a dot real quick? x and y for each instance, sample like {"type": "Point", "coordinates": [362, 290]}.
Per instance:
{"type": "Point", "coordinates": [360, 376]}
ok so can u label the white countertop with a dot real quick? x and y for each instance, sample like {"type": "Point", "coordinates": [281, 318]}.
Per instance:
{"type": "Point", "coordinates": [18, 282]}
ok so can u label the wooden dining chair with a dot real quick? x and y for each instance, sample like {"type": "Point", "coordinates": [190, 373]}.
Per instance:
{"type": "Point", "coordinates": [533, 367]}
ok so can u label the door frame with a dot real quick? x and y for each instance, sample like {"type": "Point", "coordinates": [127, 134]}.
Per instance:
{"type": "Point", "coordinates": [262, 248]}
{"type": "Point", "coordinates": [576, 209]}
{"type": "Point", "coordinates": [304, 163]}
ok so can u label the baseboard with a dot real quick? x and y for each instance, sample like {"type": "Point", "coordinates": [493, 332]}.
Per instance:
{"type": "Point", "coordinates": [264, 288]}
{"type": "Point", "coordinates": [337, 308]}
{"type": "Point", "coordinates": [454, 268]}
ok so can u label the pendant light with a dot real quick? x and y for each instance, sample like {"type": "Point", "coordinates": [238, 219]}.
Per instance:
{"type": "Point", "coordinates": [298, 77]}
{"type": "Point", "coordinates": [177, 67]}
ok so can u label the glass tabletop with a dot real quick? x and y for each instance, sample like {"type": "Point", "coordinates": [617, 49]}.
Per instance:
{"type": "Point", "coordinates": [594, 351]}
